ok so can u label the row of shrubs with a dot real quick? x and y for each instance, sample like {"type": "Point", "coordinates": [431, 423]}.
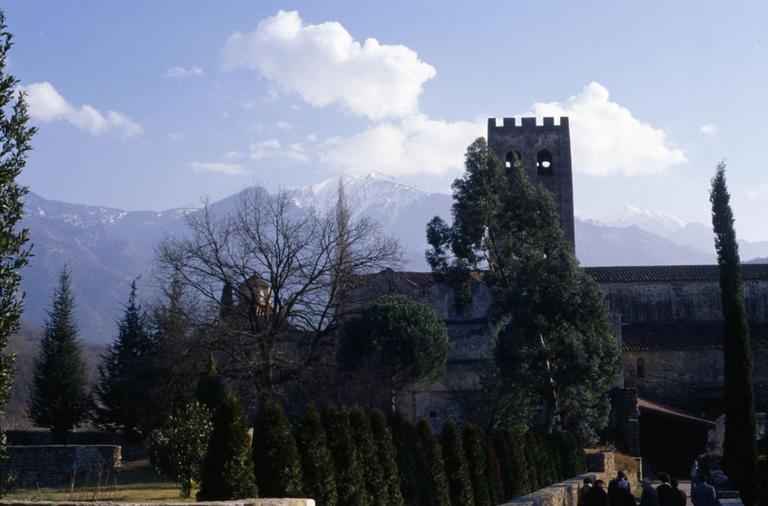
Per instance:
{"type": "Point", "coordinates": [346, 457]}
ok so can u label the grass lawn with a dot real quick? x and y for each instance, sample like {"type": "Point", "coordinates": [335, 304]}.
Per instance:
{"type": "Point", "coordinates": [136, 482]}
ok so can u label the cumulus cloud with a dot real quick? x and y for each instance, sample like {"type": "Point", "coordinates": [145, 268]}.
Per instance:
{"type": "Point", "coordinates": [177, 72]}
{"type": "Point", "coordinates": [325, 65]}
{"type": "Point", "coordinates": [229, 169]}
{"type": "Point", "coordinates": [274, 149]}
{"type": "Point", "coordinates": [46, 104]}
{"type": "Point", "coordinates": [416, 145]}
{"type": "Point", "coordinates": [708, 130]}
{"type": "Point", "coordinates": [607, 139]}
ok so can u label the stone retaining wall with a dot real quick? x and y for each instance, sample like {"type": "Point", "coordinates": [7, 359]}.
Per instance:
{"type": "Point", "coordinates": [58, 465]}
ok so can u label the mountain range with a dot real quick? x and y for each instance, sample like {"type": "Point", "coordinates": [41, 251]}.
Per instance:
{"type": "Point", "coordinates": [105, 248]}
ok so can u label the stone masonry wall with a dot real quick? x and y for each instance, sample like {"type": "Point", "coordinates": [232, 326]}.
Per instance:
{"type": "Point", "coordinates": [58, 465]}
{"type": "Point", "coordinates": [240, 502]}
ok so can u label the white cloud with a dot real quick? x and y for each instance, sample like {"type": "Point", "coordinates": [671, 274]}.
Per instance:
{"type": "Point", "coordinates": [234, 155]}
{"type": "Point", "coordinates": [177, 72]}
{"type": "Point", "coordinates": [229, 169]}
{"type": "Point", "coordinates": [46, 104]}
{"type": "Point", "coordinates": [416, 145]}
{"type": "Point", "coordinates": [709, 130]}
{"type": "Point", "coordinates": [274, 149]}
{"type": "Point", "coordinates": [607, 139]}
{"type": "Point", "coordinates": [325, 65]}
{"type": "Point", "coordinates": [758, 191]}
{"type": "Point", "coordinates": [177, 136]}
{"type": "Point", "coordinates": [284, 125]}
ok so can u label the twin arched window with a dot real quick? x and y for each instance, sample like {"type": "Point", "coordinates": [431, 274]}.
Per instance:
{"type": "Point", "coordinates": [544, 167]}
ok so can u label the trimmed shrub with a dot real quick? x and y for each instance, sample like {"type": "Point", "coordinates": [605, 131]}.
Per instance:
{"type": "Point", "coordinates": [456, 470]}
{"type": "Point", "coordinates": [276, 462]}
{"type": "Point", "coordinates": [316, 461]}
{"type": "Point", "coordinates": [350, 480]}
{"type": "Point", "coordinates": [532, 462]}
{"type": "Point", "coordinates": [436, 484]}
{"type": "Point", "coordinates": [227, 467]}
{"type": "Point", "coordinates": [385, 449]}
{"type": "Point", "coordinates": [573, 459]}
{"type": "Point", "coordinates": [210, 390]}
{"type": "Point", "coordinates": [410, 460]}
{"type": "Point", "coordinates": [495, 479]}
{"type": "Point", "coordinates": [476, 452]}
{"type": "Point", "coordinates": [366, 448]}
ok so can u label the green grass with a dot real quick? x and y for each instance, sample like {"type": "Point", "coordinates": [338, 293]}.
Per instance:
{"type": "Point", "coordinates": [136, 482]}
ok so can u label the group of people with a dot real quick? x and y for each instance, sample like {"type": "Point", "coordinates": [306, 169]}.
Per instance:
{"type": "Point", "coordinates": [619, 492]}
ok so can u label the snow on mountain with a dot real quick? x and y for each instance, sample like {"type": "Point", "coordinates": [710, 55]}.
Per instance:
{"type": "Point", "coordinates": [649, 220]}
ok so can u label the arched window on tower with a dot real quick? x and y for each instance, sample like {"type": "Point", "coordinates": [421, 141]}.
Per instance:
{"type": "Point", "coordinates": [513, 159]}
{"type": "Point", "coordinates": [544, 163]}
{"type": "Point", "coordinates": [640, 368]}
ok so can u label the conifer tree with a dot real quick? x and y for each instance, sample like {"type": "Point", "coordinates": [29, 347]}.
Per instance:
{"type": "Point", "coordinates": [740, 445]}
{"type": "Point", "coordinates": [210, 390]}
{"type": "Point", "coordinates": [350, 477]}
{"type": "Point", "coordinates": [436, 491]}
{"type": "Point", "coordinates": [362, 434]}
{"type": "Point", "coordinates": [410, 460]}
{"type": "Point", "coordinates": [227, 472]}
{"type": "Point", "coordinates": [316, 460]}
{"type": "Point", "coordinates": [385, 448]}
{"type": "Point", "coordinates": [475, 449]}
{"type": "Point", "coordinates": [15, 137]}
{"type": "Point", "coordinates": [495, 478]}
{"type": "Point", "coordinates": [59, 400]}
{"type": "Point", "coordinates": [456, 469]}
{"type": "Point", "coordinates": [276, 461]}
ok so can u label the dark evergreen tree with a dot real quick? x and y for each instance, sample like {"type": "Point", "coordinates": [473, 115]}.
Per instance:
{"type": "Point", "coordinates": [740, 445]}
{"type": "Point", "coordinates": [227, 472]}
{"type": "Point", "coordinates": [350, 475]}
{"type": "Point", "coordinates": [573, 459]}
{"type": "Point", "coordinates": [554, 342]}
{"type": "Point", "coordinates": [394, 342]}
{"type": "Point", "coordinates": [125, 376]}
{"type": "Point", "coordinates": [436, 491]}
{"type": "Point", "coordinates": [533, 463]}
{"type": "Point", "coordinates": [410, 460]}
{"type": "Point", "coordinates": [362, 435]}
{"type": "Point", "coordinates": [59, 399]}
{"type": "Point", "coordinates": [210, 389]}
{"type": "Point", "coordinates": [456, 469]}
{"type": "Point", "coordinates": [277, 465]}
{"type": "Point", "coordinates": [385, 448]}
{"type": "Point", "coordinates": [15, 137]}
{"type": "Point", "coordinates": [316, 460]}
{"type": "Point", "coordinates": [476, 451]}
{"type": "Point", "coordinates": [495, 478]}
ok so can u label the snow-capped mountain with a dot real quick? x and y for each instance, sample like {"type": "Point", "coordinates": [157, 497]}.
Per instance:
{"type": "Point", "coordinates": [657, 222]}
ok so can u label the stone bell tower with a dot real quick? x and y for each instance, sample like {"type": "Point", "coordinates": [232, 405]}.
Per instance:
{"type": "Point", "coordinates": [545, 152]}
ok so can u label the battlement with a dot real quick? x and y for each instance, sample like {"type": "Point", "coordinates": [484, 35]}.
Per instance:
{"type": "Point", "coordinates": [530, 123]}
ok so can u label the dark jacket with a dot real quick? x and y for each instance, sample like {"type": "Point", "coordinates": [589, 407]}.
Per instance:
{"type": "Point", "coordinates": [679, 498]}
{"type": "Point", "coordinates": [618, 495]}
{"type": "Point", "coordinates": [650, 497]}
{"type": "Point", "coordinates": [596, 496]}
{"type": "Point", "coordinates": [666, 496]}
{"type": "Point", "coordinates": [704, 494]}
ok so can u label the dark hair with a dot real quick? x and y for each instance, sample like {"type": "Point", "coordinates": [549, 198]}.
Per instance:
{"type": "Point", "coordinates": [622, 474]}
{"type": "Point", "coordinates": [664, 477]}
{"type": "Point", "coordinates": [599, 482]}
{"type": "Point", "coordinates": [703, 477]}
{"type": "Point", "coordinates": [588, 480]}
{"type": "Point", "coordinates": [674, 483]}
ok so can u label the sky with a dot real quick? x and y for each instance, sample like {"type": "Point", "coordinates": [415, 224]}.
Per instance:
{"type": "Point", "coordinates": [154, 105]}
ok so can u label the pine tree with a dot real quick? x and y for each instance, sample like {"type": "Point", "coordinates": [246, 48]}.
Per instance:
{"type": "Point", "coordinates": [59, 400]}
{"type": "Point", "coordinates": [350, 479]}
{"type": "Point", "coordinates": [362, 434]}
{"type": "Point", "coordinates": [277, 465]}
{"type": "Point", "coordinates": [410, 460]}
{"type": "Point", "coordinates": [456, 470]}
{"type": "Point", "coordinates": [740, 445]}
{"type": "Point", "coordinates": [227, 472]}
{"type": "Point", "coordinates": [495, 478]}
{"type": "Point", "coordinates": [125, 376]}
{"type": "Point", "coordinates": [475, 449]}
{"type": "Point", "coordinates": [15, 138]}
{"type": "Point", "coordinates": [436, 491]}
{"type": "Point", "coordinates": [385, 448]}
{"type": "Point", "coordinates": [316, 460]}
{"type": "Point", "coordinates": [210, 389]}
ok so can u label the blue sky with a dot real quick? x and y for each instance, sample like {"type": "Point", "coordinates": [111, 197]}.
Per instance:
{"type": "Point", "coordinates": [658, 93]}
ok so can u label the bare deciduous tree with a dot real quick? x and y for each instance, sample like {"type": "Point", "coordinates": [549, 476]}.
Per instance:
{"type": "Point", "coordinates": [274, 277]}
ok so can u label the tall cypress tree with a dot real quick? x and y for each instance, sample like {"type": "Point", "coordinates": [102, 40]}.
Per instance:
{"type": "Point", "coordinates": [316, 460]}
{"type": "Point", "coordinates": [15, 138]}
{"type": "Point", "coordinates": [276, 461]}
{"type": "Point", "coordinates": [210, 390]}
{"type": "Point", "coordinates": [456, 468]}
{"type": "Point", "coordinates": [60, 399]}
{"type": "Point", "coordinates": [125, 375]}
{"type": "Point", "coordinates": [740, 446]}
{"type": "Point", "coordinates": [477, 464]}
{"type": "Point", "coordinates": [410, 460]}
{"type": "Point", "coordinates": [385, 447]}
{"type": "Point", "coordinates": [373, 473]}
{"type": "Point", "coordinates": [436, 484]}
{"type": "Point", "coordinates": [350, 478]}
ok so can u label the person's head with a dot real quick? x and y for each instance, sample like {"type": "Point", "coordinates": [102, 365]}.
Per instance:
{"type": "Point", "coordinates": [647, 483]}
{"type": "Point", "coordinates": [599, 483]}
{"type": "Point", "coordinates": [703, 478]}
{"type": "Point", "coordinates": [695, 462]}
{"type": "Point", "coordinates": [588, 481]}
{"type": "Point", "coordinates": [674, 483]}
{"type": "Point", "coordinates": [664, 477]}
{"type": "Point", "coordinates": [621, 475]}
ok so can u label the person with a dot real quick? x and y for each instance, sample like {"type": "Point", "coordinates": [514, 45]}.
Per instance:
{"type": "Point", "coordinates": [649, 496]}
{"type": "Point", "coordinates": [666, 496]}
{"type": "Point", "coordinates": [678, 496]}
{"type": "Point", "coordinates": [585, 487]}
{"type": "Point", "coordinates": [619, 493]}
{"type": "Point", "coordinates": [703, 494]}
{"type": "Point", "coordinates": [596, 496]}
{"type": "Point", "coordinates": [694, 473]}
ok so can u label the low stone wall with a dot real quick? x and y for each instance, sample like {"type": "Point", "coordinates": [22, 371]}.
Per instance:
{"type": "Point", "coordinates": [241, 502]}
{"type": "Point", "coordinates": [58, 465]}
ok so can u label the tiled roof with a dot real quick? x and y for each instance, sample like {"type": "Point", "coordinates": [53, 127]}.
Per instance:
{"type": "Point", "coordinates": [629, 274]}
{"type": "Point", "coordinates": [681, 336]}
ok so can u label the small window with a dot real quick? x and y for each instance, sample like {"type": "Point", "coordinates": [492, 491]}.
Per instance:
{"type": "Point", "coordinates": [640, 368]}
{"type": "Point", "coordinates": [544, 163]}
{"type": "Point", "coordinates": [513, 159]}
